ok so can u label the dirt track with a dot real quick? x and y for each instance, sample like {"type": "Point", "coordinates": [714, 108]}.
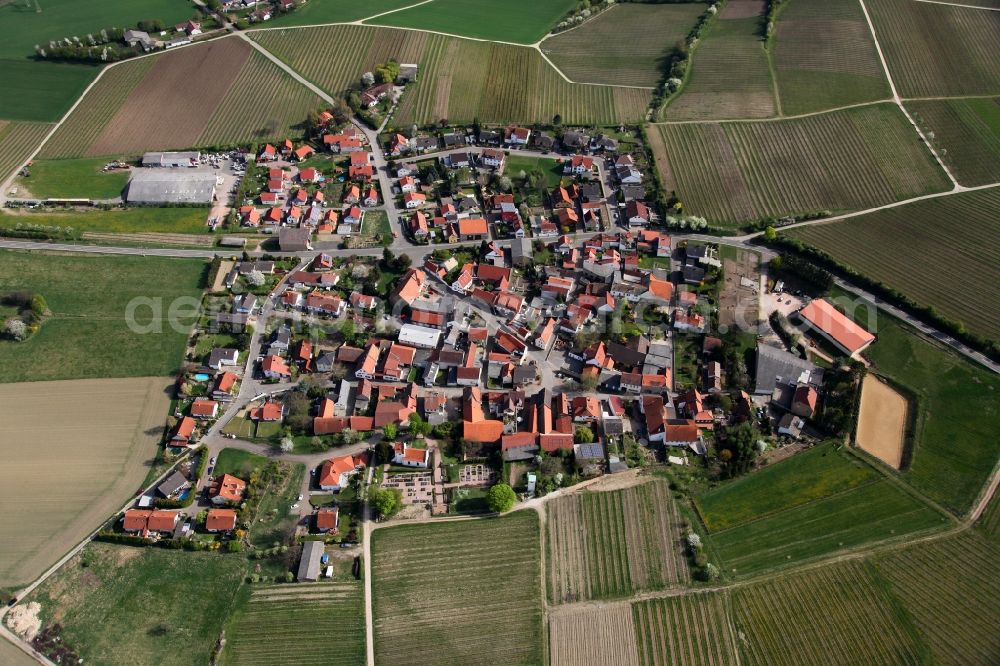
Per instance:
{"type": "Point", "coordinates": [882, 421]}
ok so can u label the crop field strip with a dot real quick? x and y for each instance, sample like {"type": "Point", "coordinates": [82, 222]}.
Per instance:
{"type": "Point", "coordinates": [519, 21]}
{"type": "Point", "coordinates": [156, 115]}
{"type": "Point", "coordinates": [809, 476]}
{"type": "Point", "coordinates": [271, 628]}
{"type": "Point", "coordinates": [824, 57]}
{"type": "Point", "coordinates": [610, 544]}
{"type": "Point", "coordinates": [936, 49]}
{"type": "Point", "coordinates": [832, 615]}
{"type": "Point", "coordinates": [75, 136]}
{"type": "Point", "coordinates": [262, 104]}
{"type": "Point", "coordinates": [688, 630]}
{"type": "Point", "coordinates": [17, 141]}
{"type": "Point", "coordinates": [968, 131]}
{"type": "Point", "coordinates": [851, 159]}
{"type": "Point", "coordinates": [951, 229]}
{"type": "Point", "coordinates": [136, 106]}
{"type": "Point", "coordinates": [729, 75]}
{"type": "Point", "coordinates": [625, 45]}
{"type": "Point", "coordinates": [593, 635]}
{"type": "Point", "coordinates": [951, 591]}
{"type": "Point", "coordinates": [444, 591]}
{"type": "Point", "coordinates": [930, 229]}
{"type": "Point", "coordinates": [870, 513]}
{"type": "Point", "coordinates": [460, 79]}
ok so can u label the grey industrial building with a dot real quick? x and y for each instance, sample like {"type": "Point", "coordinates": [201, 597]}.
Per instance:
{"type": "Point", "coordinates": [180, 159]}
{"type": "Point", "coordinates": [177, 187]}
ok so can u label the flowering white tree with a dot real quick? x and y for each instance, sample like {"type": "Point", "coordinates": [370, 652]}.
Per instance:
{"type": "Point", "coordinates": [255, 278]}
{"type": "Point", "coordinates": [16, 329]}
{"type": "Point", "coordinates": [287, 445]}
{"type": "Point", "coordinates": [693, 540]}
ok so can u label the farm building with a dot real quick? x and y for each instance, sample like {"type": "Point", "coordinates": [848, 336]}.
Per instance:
{"type": "Point", "coordinates": [184, 159]}
{"type": "Point", "coordinates": [776, 366]}
{"type": "Point", "coordinates": [312, 554]}
{"type": "Point", "coordinates": [835, 326]}
{"type": "Point", "coordinates": [154, 186]}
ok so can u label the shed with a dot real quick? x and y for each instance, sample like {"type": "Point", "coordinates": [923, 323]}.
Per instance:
{"type": "Point", "coordinates": [309, 564]}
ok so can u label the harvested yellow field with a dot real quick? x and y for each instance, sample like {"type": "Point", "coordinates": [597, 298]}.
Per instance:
{"type": "Point", "coordinates": [13, 656]}
{"type": "Point", "coordinates": [73, 452]}
{"type": "Point", "coordinates": [593, 635]}
{"type": "Point", "coordinates": [882, 421]}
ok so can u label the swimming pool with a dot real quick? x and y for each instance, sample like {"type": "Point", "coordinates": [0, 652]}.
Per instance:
{"type": "Point", "coordinates": [201, 377]}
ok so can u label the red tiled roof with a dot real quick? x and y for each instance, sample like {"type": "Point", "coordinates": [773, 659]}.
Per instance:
{"type": "Point", "coordinates": [826, 318]}
{"type": "Point", "coordinates": [220, 520]}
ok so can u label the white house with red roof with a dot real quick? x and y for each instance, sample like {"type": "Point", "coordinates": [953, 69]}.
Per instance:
{"type": "Point", "coordinates": [409, 456]}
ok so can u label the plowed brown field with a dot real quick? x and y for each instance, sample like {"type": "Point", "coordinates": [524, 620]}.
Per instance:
{"type": "Point", "coordinates": [172, 105]}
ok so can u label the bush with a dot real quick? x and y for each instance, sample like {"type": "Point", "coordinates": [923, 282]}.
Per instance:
{"type": "Point", "coordinates": [501, 498]}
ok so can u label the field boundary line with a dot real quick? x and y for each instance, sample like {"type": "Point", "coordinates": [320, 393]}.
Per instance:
{"type": "Point", "coordinates": [772, 119]}
{"type": "Point", "coordinates": [899, 102]}
{"type": "Point", "coordinates": [867, 211]}
{"type": "Point", "coordinates": [534, 47]}
{"type": "Point", "coordinates": [958, 4]}
{"type": "Point", "coordinates": [945, 98]}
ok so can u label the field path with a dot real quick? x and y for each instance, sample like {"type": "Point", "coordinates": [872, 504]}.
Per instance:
{"type": "Point", "coordinates": [899, 102]}
{"type": "Point", "coordinates": [959, 4]}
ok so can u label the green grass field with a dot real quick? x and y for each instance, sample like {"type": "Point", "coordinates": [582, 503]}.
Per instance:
{"type": "Point", "coordinates": [967, 133]}
{"type": "Point", "coordinates": [318, 12]}
{"type": "Point", "coordinates": [445, 591]}
{"type": "Point", "coordinates": [87, 334]}
{"type": "Point", "coordinates": [120, 220]}
{"type": "Point", "coordinates": [301, 624]}
{"type": "Point", "coordinates": [625, 45]}
{"type": "Point", "coordinates": [105, 606]}
{"type": "Point", "coordinates": [25, 26]}
{"type": "Point", "coordinates": [553, 169]}
{"type": "Point", "coordinates": [238, 463]}
{"type": "Point", "coordinates": [929, 228]}
{"type": "Point", "coordinates": [824, 57]}
{"type": "Point", "coordinates": [956, 446]}
{"type": "Point", "coordinates": [872, 512]}
{"type": "Point", "coordinates": [729, 75]}
{"type": "Point", "coordinates": [837, 614]}
{"type": "Point", "coordinates": [459, 79]}
{"type": "Point", "coordinates": [41, 91]}
{"type": "Point", "coordinates": [806, 477]}
{"type": "Point", "coordinates": [83, 178]}
{"type": "Point", "coordinates": [838, 161]}
{"type": "Point", "coordinates": [518, 21]}
{"type": "Point", "coordinates": [45, 90]}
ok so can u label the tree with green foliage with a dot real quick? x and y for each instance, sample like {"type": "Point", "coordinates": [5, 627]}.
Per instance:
{"type": "Point", "coordinates": [418, 426]}
{"type": "Point", "coordinates": [583, 435]}
{"type": "Point", "coordinates": [389, 431]}
{"type": "Point", "coordinates": [501, 498]}
{"type": "Point", "coordinates": [385, 501]}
